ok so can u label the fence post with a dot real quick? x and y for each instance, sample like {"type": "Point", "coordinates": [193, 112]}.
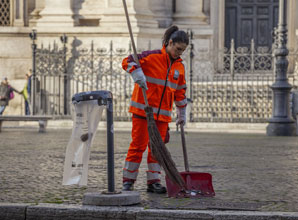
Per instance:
{"type": "Point", "coordinates": [232, 58]}
{"type": "Point", "coordinates": [190, 66]}
{"type": "Point", "coordinates": [111, 66]}
{"type": "Point", "coordinates": [66, 95]}
{"type": "Point", "coordinates": [252, 56]}
{"type": "Point", "coordinates": [274, 46]}
{"type": "Point", "coordinates": [33, 37]}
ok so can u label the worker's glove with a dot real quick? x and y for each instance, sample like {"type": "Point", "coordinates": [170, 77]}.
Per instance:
{"type": "Point", "coordinates": [181, 116]}
{"type": "Point", "coordinates": [139, 78]}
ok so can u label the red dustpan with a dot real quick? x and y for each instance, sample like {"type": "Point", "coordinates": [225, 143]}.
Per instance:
{"type": "Point", "coordinates": [196, 184]}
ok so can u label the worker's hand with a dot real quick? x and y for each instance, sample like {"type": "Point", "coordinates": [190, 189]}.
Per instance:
{"type": "Point", "coordinates": [139, 78]}
{"type": "Point", "coordinates": [181, 116]}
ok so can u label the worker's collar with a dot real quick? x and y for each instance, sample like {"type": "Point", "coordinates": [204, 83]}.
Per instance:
{"type": "Point", "coordinates": [164, 51]}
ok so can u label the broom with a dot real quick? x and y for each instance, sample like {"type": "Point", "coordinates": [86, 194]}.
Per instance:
{"type": "Point", "coordinates": [158, 148]}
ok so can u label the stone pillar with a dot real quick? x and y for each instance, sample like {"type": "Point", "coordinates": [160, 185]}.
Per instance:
{"type": "Point", "coordinates": [189, 13]}
{"type": "Point", "coordinates": [57, 13]}
{"type": "Point", "coordinates": [88, 11]}
{"type": "Point", "coordinates": [162, 10]}
{"type": "Point", "coordinates": [20, 9]}
{"type": "Point", "coordinates": [39, 6]}
{"type": "Point", "coordinates": [138, 10]}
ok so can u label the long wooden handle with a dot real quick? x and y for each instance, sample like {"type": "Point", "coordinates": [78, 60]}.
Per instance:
{"type": "Point", "coordinates": [184, 148]}
{"type": "Point", "coordinates": [135, 56]}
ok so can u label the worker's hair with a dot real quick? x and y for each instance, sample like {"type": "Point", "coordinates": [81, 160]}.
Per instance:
{"type": "Point", "coordinates": [177, 36]}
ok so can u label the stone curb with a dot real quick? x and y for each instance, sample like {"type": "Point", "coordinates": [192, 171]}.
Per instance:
{"type": "Point", "coordinates": [11, 211]}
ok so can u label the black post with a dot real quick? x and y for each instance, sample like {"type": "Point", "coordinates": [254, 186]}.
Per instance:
{"type": "Point", "coordinates": [281, 123]}
{"type": "Point", "coordinates": [191, 55]}
{"type": "Point", "coordinates": [33, 84]}
{"type": "Point", "coordinates": [110, 145]}
{"type": "Point", "coordinates": [66, 95]}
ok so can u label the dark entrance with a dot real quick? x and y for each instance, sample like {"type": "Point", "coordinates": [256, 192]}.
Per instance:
{"type": "Point", "coordinates": [250, 19]}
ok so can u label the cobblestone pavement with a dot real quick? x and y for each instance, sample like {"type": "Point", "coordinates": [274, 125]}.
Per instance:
{"type": "Point", "coordinates": [250, 171]}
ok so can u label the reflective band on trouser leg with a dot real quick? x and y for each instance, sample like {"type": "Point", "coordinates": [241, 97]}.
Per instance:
{"type": "Point", "coordinates": [127, 174]}
{"type": "Point", "coordinates": [153, 172]}
{"type": "Point", "coordinates": [136, 149]}
{"type": "Point", "coordinates": [131, 170]}
{"type": "Point", "coordinates": [153, 176]}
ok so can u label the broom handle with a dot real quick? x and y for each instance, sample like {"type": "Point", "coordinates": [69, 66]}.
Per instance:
{"type": "Point", "coordinates": [184, 148]}
{"type": "Point", "coordinates": [135, 56]}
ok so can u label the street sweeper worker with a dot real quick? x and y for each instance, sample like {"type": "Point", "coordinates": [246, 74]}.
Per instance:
{"type": "Point", "coordinates": [162, 75]}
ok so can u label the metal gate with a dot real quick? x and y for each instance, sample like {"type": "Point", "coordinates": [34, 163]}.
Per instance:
{"type": "Point", "coordinates": [227, 94]}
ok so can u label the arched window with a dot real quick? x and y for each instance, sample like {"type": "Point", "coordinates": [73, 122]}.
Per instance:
{"type": "Point", "coordinates": [5, 13]}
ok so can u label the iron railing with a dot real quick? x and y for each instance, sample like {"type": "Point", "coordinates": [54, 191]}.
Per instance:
{"type": "Point", "coordinates": [236, 91]}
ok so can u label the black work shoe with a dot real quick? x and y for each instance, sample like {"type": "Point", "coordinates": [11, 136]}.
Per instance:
{"type": "Point", "coordinates": [127, 186]}
{"type": "Point", "coordinates": [156, 188]}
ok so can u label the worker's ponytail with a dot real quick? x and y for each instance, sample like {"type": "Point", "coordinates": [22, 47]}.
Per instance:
{"type": "Point", "coordinates": [173, 33]}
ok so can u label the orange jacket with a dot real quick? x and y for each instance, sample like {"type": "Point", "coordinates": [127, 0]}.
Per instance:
{"type": "Point", "coordinates": [156, 65]}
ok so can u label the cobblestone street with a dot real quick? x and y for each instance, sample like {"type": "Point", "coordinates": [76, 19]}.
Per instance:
{"type": "Point", "coordinates": [250, 171]}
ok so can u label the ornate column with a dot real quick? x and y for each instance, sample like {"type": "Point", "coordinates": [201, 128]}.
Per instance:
{"type": "Point", "coordinates": [189, 13]}
{"type": "Point", "coordinates": [139, 12]}
{"type": "Point", "coordinates": [162, 10]}
{"type": "Point", "coordinates": [57, 13]}
{"type": "Point", "coordinates": [281, 123]}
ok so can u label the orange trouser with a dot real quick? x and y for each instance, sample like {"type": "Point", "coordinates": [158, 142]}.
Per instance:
{"type": "Point", "coordinates": [140, 140]}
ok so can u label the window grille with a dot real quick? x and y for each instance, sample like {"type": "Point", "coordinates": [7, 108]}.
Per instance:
{"type": "Point", "coordinates": [4, 12]}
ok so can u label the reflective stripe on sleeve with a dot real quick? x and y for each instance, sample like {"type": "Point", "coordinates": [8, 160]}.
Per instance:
{"type": "Point", "coordinates": [142, 106]}
{"type": "Point", "coordinates": [181, 86]}
{"type": "Point", "coordinates": [161, 82]}
{"type": "Point", "coordinates": [181, 103]}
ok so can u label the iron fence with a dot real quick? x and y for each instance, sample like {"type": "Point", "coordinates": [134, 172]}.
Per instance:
{"type": "Point", "coordinates": [236, 91]}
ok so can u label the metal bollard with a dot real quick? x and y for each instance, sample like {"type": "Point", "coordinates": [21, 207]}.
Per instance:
{"type": "Point", "coordinates": [110, 145]}
{"type": "Point", "coordinates": [111, 197]}
{"type": "Point", "coordinates": [104, 98]}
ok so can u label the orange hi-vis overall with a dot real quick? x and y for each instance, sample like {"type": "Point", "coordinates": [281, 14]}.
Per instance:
{"type": "Point", "coordinates": [165, 81]}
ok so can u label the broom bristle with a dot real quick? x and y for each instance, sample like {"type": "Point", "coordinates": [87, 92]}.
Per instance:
{"type": "Point", "coordinates": [160, 152]}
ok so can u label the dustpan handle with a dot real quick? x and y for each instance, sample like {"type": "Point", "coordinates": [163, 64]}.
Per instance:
{"type": "Point", "coordinates": [184, 148]}
{"type": "Point", "coordinates": [135, 56]}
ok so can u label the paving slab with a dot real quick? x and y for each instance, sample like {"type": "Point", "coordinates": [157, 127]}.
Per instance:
{"type": "Point", "coordinates": [251, 172]}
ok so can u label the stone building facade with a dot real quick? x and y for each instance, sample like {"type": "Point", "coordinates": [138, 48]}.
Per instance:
{"type": "Point", "coordinates": [104, 20]}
